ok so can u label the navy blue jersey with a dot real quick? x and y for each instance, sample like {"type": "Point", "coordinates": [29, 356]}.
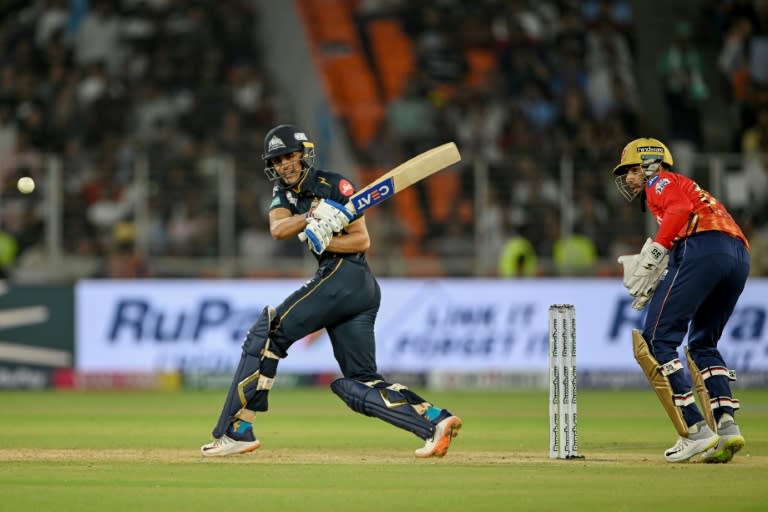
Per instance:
{"type": "Point", "coordinates": [316, 185]}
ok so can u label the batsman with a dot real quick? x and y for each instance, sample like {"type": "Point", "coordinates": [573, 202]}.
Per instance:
{"type": "Point", "coordinates": [343, 297]}
{"type": "Point", "coordinates": [690, 276]}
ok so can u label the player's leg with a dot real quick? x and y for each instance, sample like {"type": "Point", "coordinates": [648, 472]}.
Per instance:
{"type": "Point", "coordinates": [403, 408]}
{"type": "Point", "coordinates": [303, 312]}
{"type": "Point", "coordinates": [673, 305]}
{"type": "Point", "coordinates": [255, 373]}
{"type": "Point", "coordinates": [365, 391]}
{"type": "Point", "coordinates": [666, 324]}
{"type": "Point", "coordinates": [706, 328]}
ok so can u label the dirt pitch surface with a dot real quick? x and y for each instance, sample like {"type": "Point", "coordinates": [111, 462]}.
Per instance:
{"type": "Point", "coordinates": [333, 457]}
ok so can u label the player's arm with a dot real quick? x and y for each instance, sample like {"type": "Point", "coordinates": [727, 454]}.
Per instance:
{"type": "Point", "coordinates": [284, 224]}
{"type": "Point", "coordinates": [355, 239]}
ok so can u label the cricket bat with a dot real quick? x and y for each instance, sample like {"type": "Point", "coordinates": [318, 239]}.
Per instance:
{"type": "Point", "coordinates": [402, 177]}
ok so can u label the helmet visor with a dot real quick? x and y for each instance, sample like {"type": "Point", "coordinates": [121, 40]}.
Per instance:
{"type": "Point", "coordinates": [625, 188]}
{"type": "Point", "coordinates": [307, 162]}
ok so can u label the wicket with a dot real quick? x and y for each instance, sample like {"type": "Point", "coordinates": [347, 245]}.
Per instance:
{"type": "Point", "coordinates": [563, 437]}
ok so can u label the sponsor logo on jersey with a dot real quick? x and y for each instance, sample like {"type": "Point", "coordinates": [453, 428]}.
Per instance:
{"type": "Point", "coordinates": [653, 180]}
{"type": "Point", "coordinates": [375, 195]}
{"type": "Point", "coordinates": [346, 188]}
{"type": "Point", "coordinates": [291, 198]}
{"type": "Point", "coordinates": [661, 184]}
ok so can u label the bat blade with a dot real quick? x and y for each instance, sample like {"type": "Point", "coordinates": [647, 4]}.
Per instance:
{"type": "Point", "coordinates": [403, 176]}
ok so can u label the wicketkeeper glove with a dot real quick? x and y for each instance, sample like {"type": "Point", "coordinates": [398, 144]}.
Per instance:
{"type": "Point", "coordinates": [319, 234]}
{"type": "Point", "coordinates": [334, 213]}
{"type": "Point", "coordinates": [640, 302]}
{"type": "Point", "coordinates": [643, 271]}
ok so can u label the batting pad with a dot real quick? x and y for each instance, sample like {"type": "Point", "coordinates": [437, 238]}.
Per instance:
{"type": "Point", "coordinates": [254, 374]}
{"type": "Point", "coordinates": [382, 401]}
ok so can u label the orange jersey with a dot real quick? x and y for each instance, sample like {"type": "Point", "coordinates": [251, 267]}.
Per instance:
{"type": "Point", "coordinates": [682, 208]}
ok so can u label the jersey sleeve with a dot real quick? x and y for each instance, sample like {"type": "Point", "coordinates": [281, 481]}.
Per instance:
{"type": "Point", "coordinates": [279, 200]}
{"type": "Point", "coordinates": [342, 191]}
{"type": "Point", "coordinates": [676, 208]}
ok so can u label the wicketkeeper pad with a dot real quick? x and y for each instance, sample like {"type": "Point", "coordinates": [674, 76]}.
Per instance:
{"type": "Point", "coordinates": [657, 376]}
{"type": "Point", "coordinates": [393, 403]}
{"type": "Point", "coordinates": [701, 391]}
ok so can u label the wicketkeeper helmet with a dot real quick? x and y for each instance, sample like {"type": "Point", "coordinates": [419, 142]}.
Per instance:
{"type": "Point", "coordinates": [644, 151]}
{"type": "Point", "coordinates": [650, 154]}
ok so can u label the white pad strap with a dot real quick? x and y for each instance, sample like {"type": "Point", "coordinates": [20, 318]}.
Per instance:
{"type": "Point", "coordinates": [264, 383]}
{"type": "Point", "coordinates": [724, 401]}
{"type": "Point", "coordinates": [683, 399]}
{"type": "Point", "coordinates": [667, 369]}
{"type": "Point", "coordinates": [718, 371]}
{"type": "Point", "coordinates": [670, 367]}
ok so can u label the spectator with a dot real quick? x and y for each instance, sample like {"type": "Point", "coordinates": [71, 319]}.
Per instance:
{"type": "Point", "coordinates": [518, 258]}
{"type": "Point", "coordinates": [123, 260]}
{"type": "Point", "coordinates": [8, 252]}
{"type": "Point", "coordinates": [574, 255]}
{"type": "Point", "coordinates": [733, 56]}
{"type": "Point", "coordinates": [98, 37]}
{"type": "Point", "coordinates": [684, 87]}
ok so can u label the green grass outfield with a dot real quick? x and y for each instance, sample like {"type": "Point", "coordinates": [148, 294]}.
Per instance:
{"type": "Point", "coordinates": [113, 451]}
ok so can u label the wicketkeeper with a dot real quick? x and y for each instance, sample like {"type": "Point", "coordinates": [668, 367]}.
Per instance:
{"type": "Point", "coordinates": [690, 276]}
{"type": "Point", "coordinates": [343, 297]}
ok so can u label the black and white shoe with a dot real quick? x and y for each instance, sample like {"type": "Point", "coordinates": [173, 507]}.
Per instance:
{"type": "Point", "coordinates": [228, 445]}
{"type": "Point", "coordinates": [700, 439]}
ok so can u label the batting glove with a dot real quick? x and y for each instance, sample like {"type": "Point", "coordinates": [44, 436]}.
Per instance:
{"type": "Point", "coordinates": [319, 234]}
{"type": "Point", "coordinates": [334, 213]}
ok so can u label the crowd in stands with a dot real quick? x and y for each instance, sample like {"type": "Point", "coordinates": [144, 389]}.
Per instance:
{"type": "Point", "coordinates": [104, 84]}
{"type": "Point", "coordinates": [521, 86]}
{"type": "Point", "coordinates": [741, 37]}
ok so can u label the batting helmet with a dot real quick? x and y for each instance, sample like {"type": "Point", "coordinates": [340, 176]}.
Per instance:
{"type": "Point", "coordinates": [285, 139]}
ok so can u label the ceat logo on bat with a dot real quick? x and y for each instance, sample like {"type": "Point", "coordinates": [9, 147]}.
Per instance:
{"type": "Point", "coordinates": [346, 188]}
{"type": "Point", "coordinates": [374, 195]}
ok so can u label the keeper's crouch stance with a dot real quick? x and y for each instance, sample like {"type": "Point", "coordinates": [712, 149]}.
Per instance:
{"type": "Point", "coordinates": [343, 297]}
{"type": "Point", "coordinates": [691, 276]}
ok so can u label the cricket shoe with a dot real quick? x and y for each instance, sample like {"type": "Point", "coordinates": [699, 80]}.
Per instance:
{"type": "Point", "coordinates": [700, 439]}
{"type": "Point", "coordinates": [231, 444]}
{"type": "Point", "coordinates": [731, 441]}
{"type": "Point", "coordinates": [445, 431]}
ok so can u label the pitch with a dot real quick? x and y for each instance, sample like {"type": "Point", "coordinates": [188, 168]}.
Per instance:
{"type": "Point", "coordinates": [139, 451]}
